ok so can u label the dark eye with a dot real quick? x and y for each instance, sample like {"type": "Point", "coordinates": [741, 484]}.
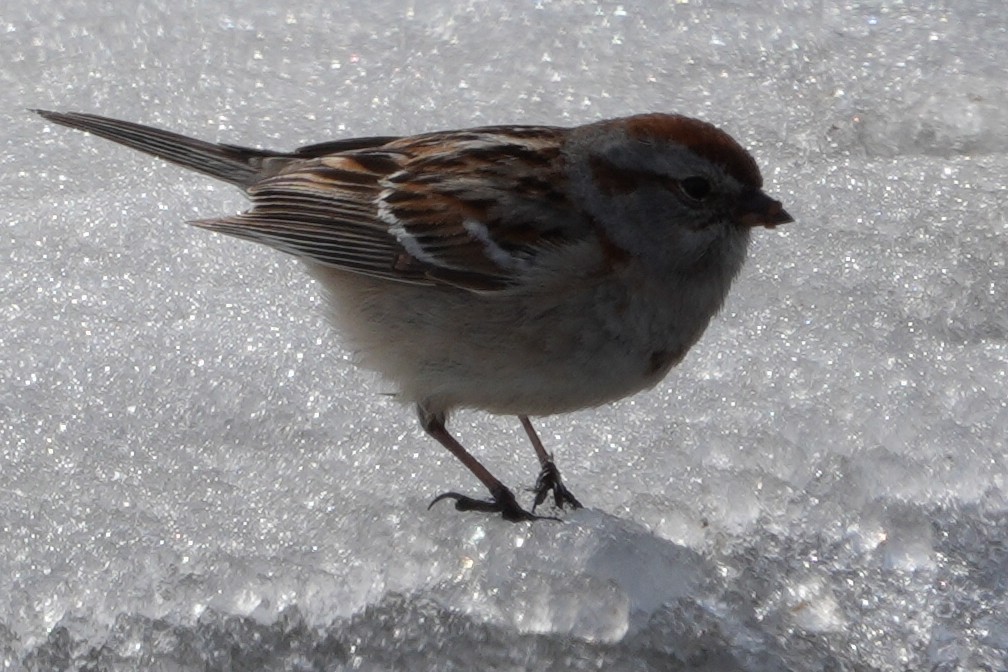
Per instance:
{"type": "Point", "coordinates": [695, 188]}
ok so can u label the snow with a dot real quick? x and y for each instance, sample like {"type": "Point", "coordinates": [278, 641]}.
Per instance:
{"type": "Point", "coordinates": [194, 476]}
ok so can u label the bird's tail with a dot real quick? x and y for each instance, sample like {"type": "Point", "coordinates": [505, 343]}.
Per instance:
{"type": "Point", "coordinates": [240, 166]}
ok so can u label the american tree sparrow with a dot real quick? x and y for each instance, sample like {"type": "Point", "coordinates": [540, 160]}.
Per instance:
{"type": "Point", "coordinates": [523, 270]}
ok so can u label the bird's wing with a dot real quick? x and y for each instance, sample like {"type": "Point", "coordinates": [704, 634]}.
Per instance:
{"type": "Point", "coordinates": [471, 209]}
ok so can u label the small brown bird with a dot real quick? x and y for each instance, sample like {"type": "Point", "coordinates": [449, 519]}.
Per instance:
{"type": "Point", "coordinates": [523, 270]}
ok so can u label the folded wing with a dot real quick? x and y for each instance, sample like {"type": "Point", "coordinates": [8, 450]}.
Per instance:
{"type": "Point", "coordinates": [471, 209]}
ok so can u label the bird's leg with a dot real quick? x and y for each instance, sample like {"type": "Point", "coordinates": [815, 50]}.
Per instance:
{"type": "Point", "coordinates": [549, 476]}
{"type": "Point", "coordinates": [502, 499]}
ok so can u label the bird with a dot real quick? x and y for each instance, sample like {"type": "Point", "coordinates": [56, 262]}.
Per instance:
{"type": "Point", "coordinates": [522, 270]}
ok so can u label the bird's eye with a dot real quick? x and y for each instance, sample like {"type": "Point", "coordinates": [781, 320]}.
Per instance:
{"type": "Point", "coordinates": [695, 188]}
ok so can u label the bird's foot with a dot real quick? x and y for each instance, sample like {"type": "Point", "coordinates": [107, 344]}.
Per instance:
{"type": "Point", "coordinates": [549, 481]}
{"type": "Point", "coordinates": [502, 502]}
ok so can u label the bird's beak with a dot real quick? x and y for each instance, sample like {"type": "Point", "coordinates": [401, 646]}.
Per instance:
{"type": "Point", "coordinates": [758, 209]}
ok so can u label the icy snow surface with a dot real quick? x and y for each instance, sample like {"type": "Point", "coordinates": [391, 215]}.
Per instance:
{"type": "Point", "coordinates": [194, 476]}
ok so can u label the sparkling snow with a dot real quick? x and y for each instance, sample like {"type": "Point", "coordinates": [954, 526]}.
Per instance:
{"type": "Point", "coordinates": [193, 475]}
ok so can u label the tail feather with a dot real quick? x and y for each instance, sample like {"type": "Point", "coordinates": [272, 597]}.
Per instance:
{"type": "Point", "coordinates": [240, 166]}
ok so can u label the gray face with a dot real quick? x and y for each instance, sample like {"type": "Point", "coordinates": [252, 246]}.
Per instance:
{"type": "Point", "coordinates": [677, 215]}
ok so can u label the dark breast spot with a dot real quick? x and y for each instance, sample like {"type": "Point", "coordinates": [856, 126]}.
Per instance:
{"type": "Point", "coordinates": [662, 360]}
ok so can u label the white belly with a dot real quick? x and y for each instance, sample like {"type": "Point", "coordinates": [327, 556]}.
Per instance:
{"type": "Point", "coordinates": [530, 352]}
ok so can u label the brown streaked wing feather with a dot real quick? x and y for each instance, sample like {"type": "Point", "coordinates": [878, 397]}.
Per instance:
{"type": "Point", "coordinates": [475, 207]}
{"type": "Point", "coordinates": [324, 210]}
{"type": "Point", "coordinates": [331, 147]}
{"type": "Point", "coordinates": [468, 208]}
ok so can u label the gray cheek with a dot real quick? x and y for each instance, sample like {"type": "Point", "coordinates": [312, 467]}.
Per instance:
{"type": "Point", "coordinates": [649, 223]}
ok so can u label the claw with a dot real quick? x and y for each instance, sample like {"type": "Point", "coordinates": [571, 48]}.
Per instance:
{"type": "Point", "coordinates": [503, 502]}
{"type": "Point", "coordinates": [549, 481]}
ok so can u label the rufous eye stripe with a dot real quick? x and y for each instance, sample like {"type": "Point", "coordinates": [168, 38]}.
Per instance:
{"type": "Point", "coordinates": [703, 139]}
